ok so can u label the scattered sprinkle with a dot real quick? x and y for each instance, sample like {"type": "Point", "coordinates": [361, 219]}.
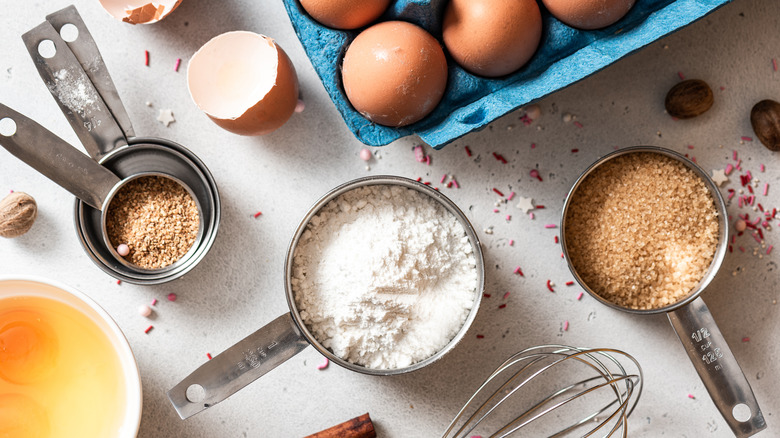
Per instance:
{"type": "Point", "coordinates": [579, 296]}
{"type": "Point", "coordinates": [745, 339]}
{"type": "Point", "coordinates": [511, 242]}
{"type": "Point", "coordinates": [172, 296]}
{"type": "Point", "coordinates": [148, 329]}
{"type": "Point", "coordinates": [486, 295]}
{"type": "Point", "coordinates": [119, 282]}
{"type": "Point", "coordinates": [144, 310]}
{"type": "Point", "coordinates": [551, 226]}
{"type": "Point", "coordinates": [566, 326]}
{"type": "Point", "coordinates": [575, 150]}
{"type": "Point", "coordinates": [480, 336]}
{"type": "Point", "coordinates": [506, 295]}
{"type": "Point", "coordinates": [535, 174]}
{"type": "Point", "coordinates": [443, 177]}
{"type": "Point", "coordinates": [257, 215]}
{"type": "Point", "coordinates": [154, 301]}
{"type": "Point", "coordinates": [766, 188]}
{"type": "Point", "coordinates": [178, 63]}
{"type": "Point", "coordinates": [208, 355]}
{"type": "Point", "coordinates": [569, 283]}
{"type": "Point", "coordinates": [768, 250]}
{"type": "Point", "coordinates": [454, 181]}
{"type": "Point", "coordinates": [419, 154]}
{"type": "Point", "coordinates": [531, 215]}
{"type": "Point", "coordinates": [745, 138]}
{"type": "Point", "coordinates": [519, 271]}
{"type": "Point", "coordinates": [502, 306]}
{"type": "Point", "coordinates": [468, 151]}
{"type": "Point", "coordinates": [508, 217]}
{"type": "Point", "coordinates": [146, 58]}
{"type": "Point", "coordinates": [690, 396]}
{"type": "Point", "coordinates": [577, 124]}
{"type": "Point", "coordinates": [323, 365]}
{"type": "Point", "coordinates": [556, 239]}
{"type": "Point", "coordinates": [499, 157]}
{"type": "Point", "coordinates": [680, 75]}
{"type": "Point", "coordinates": [550, 286]}
{"type": "Point", "coordinates": [498, 192]}
{"type": "Point", "coordinates": [511, 195]}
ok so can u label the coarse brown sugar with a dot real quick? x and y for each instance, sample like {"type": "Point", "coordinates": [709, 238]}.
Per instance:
{"type": "Point", "coordinates": [156, 218]}
{"type": "Point", "coordinates": [641, 230]}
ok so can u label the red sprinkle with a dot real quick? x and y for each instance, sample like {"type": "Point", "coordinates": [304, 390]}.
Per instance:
{"type": "Point", "coordinates": [569, 283]}
{"type": "Point", "coordinates": [148, 329]}
{"type": "Point", "coordinates": [506, 295]}
{"type": "Point", "coordinates": [119, 282]}
{"type": "Point", "coordinates": [480, 336]}
{"type": "Point", "coordinates": [498, 192]}
{"type": "Point", "coordinates": [499, 157]}
{"type": "Point", "coordinates": [208, 355]}
{"type": "Point", "coordinates": [745, 138]}
{"type": "Point", "coordinates": [574, 151]}
{"type": "Point", "coordinates": [539, 207]}
{"type": "Point", "coordinates": [178, 63]}
{"type": "Point", "coordinates": [745, 339]}
{"type": "Point", "coordinates": [577, 124]}
{"type": "Point", "coordinates": [502, 306]}
{"type": "Point", "coordinates": [682, 77]}
{"type": "Point", "coordinates": [486, 295]}
{"type": "Point", "coordinates": [257, 215]}
{"type": "Point", "coordinates": [549, 286]}
{"type": "Point", "coordinates": [556, 239]}
{"type": "Point", "coordinates": [171, 296]}
{"type": "Point", "coordinates": [146, 58]}
{"type": "Point", "coordinates": [519, 271]}
{"type": "Point", "coordinates": [468, 151]}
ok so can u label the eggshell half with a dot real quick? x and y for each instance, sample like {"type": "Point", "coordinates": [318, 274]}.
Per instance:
{"type": "Point", "coordinates": [394, 73]}
{"type": "Point", "coordinates": [244, 82]}
{"type": "Point", "coordinates": [345, 14]}
{"type": "Point", "coordinates": [588, 14]}
{"type": "Point", "coordinates": [139, 11]}
{"type": "Point", "coordinates": [492, 37]}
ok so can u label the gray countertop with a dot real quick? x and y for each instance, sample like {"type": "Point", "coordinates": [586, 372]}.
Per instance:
{"type": "Point", "coordinates": [238, 287]}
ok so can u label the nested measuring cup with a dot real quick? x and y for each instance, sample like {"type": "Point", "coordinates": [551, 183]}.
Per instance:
{"type": "Point", "coordinates": [287, 335]}
{"type": "Point", "coordinates": [690, 317]}
{"type": "Point", "coordinates": [70, 64]}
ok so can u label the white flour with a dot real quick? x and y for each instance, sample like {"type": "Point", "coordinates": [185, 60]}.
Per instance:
{"type": "Point", "coordinates": [384, 276]}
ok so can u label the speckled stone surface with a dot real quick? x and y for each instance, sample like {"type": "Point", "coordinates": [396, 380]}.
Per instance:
{"type": "Point", "coordinates": [238, 287]}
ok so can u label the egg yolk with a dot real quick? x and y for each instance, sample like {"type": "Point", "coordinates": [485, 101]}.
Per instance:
{"type": "Point", "coordinates": [22, 417]}
{"type": "Point", "coordinates": [28, 347]}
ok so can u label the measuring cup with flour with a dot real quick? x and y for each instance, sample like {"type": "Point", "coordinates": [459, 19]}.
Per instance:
{"type": "Point", "coordinates": [384, 276]}
{"type": "Point", "coordinates": [645, 232]}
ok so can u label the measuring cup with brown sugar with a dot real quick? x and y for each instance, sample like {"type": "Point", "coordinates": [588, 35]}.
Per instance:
{"type": "Point", "coordinates": [645, 232]}
{"type": "Point", "coordinates": [124, 178]}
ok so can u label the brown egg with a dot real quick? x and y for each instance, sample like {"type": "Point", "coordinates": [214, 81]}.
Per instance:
{"type": "Point", "coordinates": [394, 73]}
{"type": "Point", "coordinates": [588, 14]}
{"type": "Point", "coordinates": [244, 82]}
{"type": "Point", "coordinates": [345, 14]}
{"type": "Point", "coordinates": [492, 37]}
{"type": "Point", "coordinates": [139, 11]}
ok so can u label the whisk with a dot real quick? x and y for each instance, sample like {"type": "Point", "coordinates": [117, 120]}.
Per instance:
{"type": "Point", "coordinates": [603, 377]}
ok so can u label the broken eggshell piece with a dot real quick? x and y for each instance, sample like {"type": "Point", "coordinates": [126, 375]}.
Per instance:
{"type": "Point", "coordinates": [244, 82]}
{"type": "Point", "coordinates": [139, 11]}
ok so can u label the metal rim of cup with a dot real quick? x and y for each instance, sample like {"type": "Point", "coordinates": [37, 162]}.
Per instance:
{"type": "Point", "coordinates": [207, 230]}
{"type": "Point", "coordinates": [441, 200]}
{"type": "Point", "coordinates": [720, 206]}
{"type": "Point", "coordinates": [121, 346]}
{"type": "Point", "coordinates": [112, 249]}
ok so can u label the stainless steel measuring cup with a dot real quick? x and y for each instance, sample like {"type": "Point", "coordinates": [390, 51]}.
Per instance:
{"type": "Point", "coordinates": [287, 335]}
{"type": "Point", "coordinates": [73, 70]}
{"type": "Point", "coordinates": [690, 317]}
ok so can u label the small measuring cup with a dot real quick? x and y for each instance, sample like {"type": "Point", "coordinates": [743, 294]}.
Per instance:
{"type": "Point", "coordinates": [690, 317]}
{"type": "Point", "coordinates": [287, 335]}
{"type": "Point", "coordinates": [73, 70]}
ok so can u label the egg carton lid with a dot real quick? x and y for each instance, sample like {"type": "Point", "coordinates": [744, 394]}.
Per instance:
{"type": "Point", "coordinates": [565, 56]}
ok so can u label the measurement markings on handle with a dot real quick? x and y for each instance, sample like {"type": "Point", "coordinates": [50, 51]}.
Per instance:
{"type": "Point", "coordinates": [254, 356]}
{"type": "Point", "coordinates": [710, 353]}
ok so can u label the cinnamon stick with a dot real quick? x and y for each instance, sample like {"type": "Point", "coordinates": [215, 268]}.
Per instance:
{"type": "Point", "coordinates": [358, 427]}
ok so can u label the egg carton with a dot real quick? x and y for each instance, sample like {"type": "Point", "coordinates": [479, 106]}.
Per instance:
{"type": "Point", "coordinates": [565, 55]}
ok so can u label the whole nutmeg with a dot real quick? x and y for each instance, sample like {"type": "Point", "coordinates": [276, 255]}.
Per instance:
{"type": "Point", "coordinates": [17, 214]}
{"type": "Point", "coordinates": [688, 99]}
{"type": "Point", "coordinates": [765, 118]}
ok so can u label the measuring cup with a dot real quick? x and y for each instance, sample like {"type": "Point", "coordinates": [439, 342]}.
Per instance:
{"type": "Point", "coordinates": [690, 317]}
{"type": "Point", "coordinates": [287, 335]}
{"type": "Point", "coordinates": [73, 70]}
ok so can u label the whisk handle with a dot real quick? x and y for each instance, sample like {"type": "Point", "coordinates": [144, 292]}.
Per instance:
{"type": "Point", "coordinates": [718, 368]}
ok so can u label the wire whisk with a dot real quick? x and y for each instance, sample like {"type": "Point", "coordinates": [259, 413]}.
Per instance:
{"type": "Point", "coordinates": [602, 377]}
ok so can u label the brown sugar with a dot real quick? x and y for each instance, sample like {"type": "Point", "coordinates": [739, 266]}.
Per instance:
{"type": "Point", "coordinates": [641, 230]}
{"type": "Point", "coordinates": [156, 218]}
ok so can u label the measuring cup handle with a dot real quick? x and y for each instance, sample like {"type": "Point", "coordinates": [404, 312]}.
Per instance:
{"type": "Point", "coordinates": [57, 160]}
{"type": "Point", "coordinates": [718, 368]}
{"type": "Point", "coordinates": [238, 366]}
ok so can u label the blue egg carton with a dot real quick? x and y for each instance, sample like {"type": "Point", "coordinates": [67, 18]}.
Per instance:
{"type": "Point", "coordinates": [470, 102]}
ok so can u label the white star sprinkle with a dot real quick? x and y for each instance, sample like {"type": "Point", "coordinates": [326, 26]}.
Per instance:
{"type": "Point", "coordinates": [525, 204]}
{"type": "Point", "coordinates": [166, 117]}
{"type": "Point", "coordinates": [719, 176]}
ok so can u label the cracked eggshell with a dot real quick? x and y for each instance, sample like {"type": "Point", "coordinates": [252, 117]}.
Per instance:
{"type": "Point", "coordinates": [394, 73]}
{"type": "Point", "coordinates": [139, 11]}
{"type": "Point", "coordinates": [588, 14]}
{"type": "Point", "coordinates": [244, 82]}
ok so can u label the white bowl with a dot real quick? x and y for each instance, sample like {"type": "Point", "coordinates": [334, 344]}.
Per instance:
{"type": "Point", "coordinates": [40, 287]}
